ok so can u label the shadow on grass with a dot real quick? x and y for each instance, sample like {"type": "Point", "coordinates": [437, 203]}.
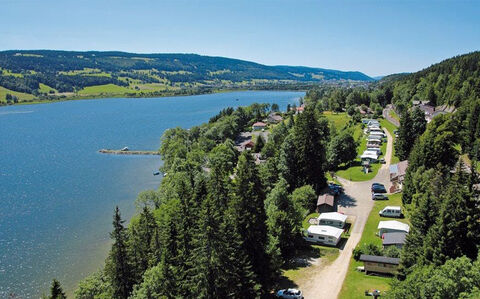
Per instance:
{"type": "Point", "coordinates": [306, 254]}
{"type": "Point", "coordinates": [342, 243]}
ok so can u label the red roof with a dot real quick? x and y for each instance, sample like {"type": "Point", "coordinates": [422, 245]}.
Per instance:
{"type": "Point", "coordinates": [325, 199]}
{"type": "Point", "coordinates": [301, 108]}
{"type": "Point", "coordinates": [259, 124]}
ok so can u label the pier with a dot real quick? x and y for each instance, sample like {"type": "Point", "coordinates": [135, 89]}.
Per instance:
{"type": "Point", "coordinates": [127, 152]}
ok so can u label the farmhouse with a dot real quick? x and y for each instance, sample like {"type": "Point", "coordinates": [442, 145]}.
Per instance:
{"type": "Point", "coordinates": [332, 219]}
{"type": "Point", "coordinates": [379, 264]}
{"type": "Point", "coordinates": [324, 234]}
{"type": "Point", "coordinates": [258, 126]}
{"type": "Point", "coordinates": [394, 239]}
{"type": "Point", "coordinates": [397, 175]}
{"type": "Point", "coordinates": [392, 226]}
{"type": "Point", "coordinates": [325, 203]}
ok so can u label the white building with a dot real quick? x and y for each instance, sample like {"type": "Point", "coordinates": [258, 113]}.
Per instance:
{"type": "Point", "coordinates": [332, 219]}
{"type": "Point", "coordinates": [324, 234]}
{"type": "Point", "coordinates": [392, 226]}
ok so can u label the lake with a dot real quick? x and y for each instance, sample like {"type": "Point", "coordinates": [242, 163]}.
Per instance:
{"type": "Point", "coordinates": [57, 193]}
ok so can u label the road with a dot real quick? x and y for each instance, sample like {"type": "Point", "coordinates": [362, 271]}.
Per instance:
{"type": "Point", "coordinates": [356, 203]}
{"type": "Point", "coordinates": [386, 115]}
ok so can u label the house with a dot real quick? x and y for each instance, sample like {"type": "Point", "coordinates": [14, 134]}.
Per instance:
{"type": "Point", "coordinates": [392, 226]}
{"type": "Point", "coordinates": [246, 145]}
{"type": "Point", "coordinates": [274, 118]}
{"type": "Point", "coordinates": [324, 234]}
{"type": "Point", "coordinates": [325, 203]}
{"type": "Point", "coordinates": [300, 109]}
{"type": "Point", "coordinates": [258, 126]}
{"type": "Point", "coordinates": [332, 219]}
{"type": "Point", "coordinates": [394, 239]}
{"type": "Point", "coordinates": [397, 175]}
{"type": "Point", "coordinates": [379, 264]}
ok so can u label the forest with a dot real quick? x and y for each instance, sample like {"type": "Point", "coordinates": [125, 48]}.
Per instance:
{"type": "Point", "coordinates": [70, 72]}
{"type": "Point", "coordinates": [222, 226]}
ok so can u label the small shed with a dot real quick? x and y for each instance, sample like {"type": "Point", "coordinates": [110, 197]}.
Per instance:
{"type": "Point", "coordinates": [332, 219]}
{"type": "Point", "coordinates": [324, 234]}
{"type": "Point", "coordinates": [325, 203]}
{"type": "Point", "coordinates": [392, 226]}
{"type": "Point", "coordinates": [394, 239]}
{"type": "Point", "coordinates": [379, 264]}
{"type": "Point", "coordinates": [258, 126]}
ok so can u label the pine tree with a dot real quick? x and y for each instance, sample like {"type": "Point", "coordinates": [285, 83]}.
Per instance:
{"type": "Point", "coordinates": [287, 164]}
{"type": "Point", "coordinates": [310, 138]}
{"type": "Point", "coordinates": [403, 143]}
{"type": "Point", "coordinates": [457, 230]}
{"type": "Point", "coordinates": [118, 267]}
{"type": "Point", "coordinates": [248, 203]}
{"type": "Point", "coordinates": [56, 291]}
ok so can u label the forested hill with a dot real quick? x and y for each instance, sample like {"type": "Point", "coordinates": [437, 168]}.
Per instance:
{"type": "Point", "coordinates": [453, 81]}
{"type": "Point", "coordinates": [50, 73]}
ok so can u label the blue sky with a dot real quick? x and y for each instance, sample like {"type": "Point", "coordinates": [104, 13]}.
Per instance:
{"type": "Point", "coordinates": [375, 37]}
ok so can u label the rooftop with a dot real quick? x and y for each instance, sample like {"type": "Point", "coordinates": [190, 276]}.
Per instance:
{"type": "Point", "coordinates": [394, 224]}
{"type": "Point", "coordinates": [332, 216]}
{"type": "Point", "coordinates": [394, 238]}
{"type": "Point", "coordinates": [325, 199]}
{"type": "Point", "coordinates": [325, 230]}
{"type": "Point", "coordinates": [379, 259]}
{"type": "Point", "coordinates": [259, 124]}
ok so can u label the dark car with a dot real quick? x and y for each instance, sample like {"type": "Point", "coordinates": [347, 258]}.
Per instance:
{"type": "Point", "coordinates": [378, 188]}
{"type": "Point", "coordinates": [335, 189]}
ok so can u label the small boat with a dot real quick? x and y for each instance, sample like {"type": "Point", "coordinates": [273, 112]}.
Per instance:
{"type": "Point", "coordinates": [124, 149]}
{"type": "Point", "coordinates": [237, 100]}
{"type": "Point", "coordinates": [156, 172]}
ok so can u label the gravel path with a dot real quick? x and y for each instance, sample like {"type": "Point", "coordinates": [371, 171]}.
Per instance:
{"type": "Point", "coordinates": [356, 203]}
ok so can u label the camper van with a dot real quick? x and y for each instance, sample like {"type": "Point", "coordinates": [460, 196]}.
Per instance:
{"type": "Point", "coordinates": [391, 211]}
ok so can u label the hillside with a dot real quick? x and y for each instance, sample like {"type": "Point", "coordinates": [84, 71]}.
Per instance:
{"type": "Point", "coordinates": [47, 74]}
{"type": "Point", "coordinates": [452, 82]}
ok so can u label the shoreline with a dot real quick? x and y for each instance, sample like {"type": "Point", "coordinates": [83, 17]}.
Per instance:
{"type": "Point", "coordinates": [104, 96]}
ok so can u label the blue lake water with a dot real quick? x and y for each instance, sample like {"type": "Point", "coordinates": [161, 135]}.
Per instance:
{"type": "Point", "coordinates": [57, 193]}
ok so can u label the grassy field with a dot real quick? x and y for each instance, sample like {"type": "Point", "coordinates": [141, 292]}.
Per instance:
{"type": "Point", "coordinates": [46, 89]}
{"type": "Point", "coordinates": [21, 96]}
{"type": "Point", "coordinates": [357, 282]}
{"type": "Point", "coordinates": [393, 115]}
{"type": "Point", "coordinates": [105, 89]}
{"type": "Point", "coordinates": [339, 120]}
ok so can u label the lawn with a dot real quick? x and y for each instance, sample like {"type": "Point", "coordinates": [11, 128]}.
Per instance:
{"type": "Point", "coordinates": [339, 120]}
{"type": "Point", "coordinates": [357, 282]}
{"type": "Point", "coordinates": [305, 223]}
{"type": "Point", "coordinates": [390, 128]}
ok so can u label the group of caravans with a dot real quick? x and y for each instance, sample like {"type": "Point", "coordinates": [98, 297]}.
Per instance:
{"type": "Point", "coordinates": [374, 141]}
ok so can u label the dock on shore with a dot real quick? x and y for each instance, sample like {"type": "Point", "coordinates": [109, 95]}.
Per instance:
{"type": "Point", "coordinates": [127, 152]}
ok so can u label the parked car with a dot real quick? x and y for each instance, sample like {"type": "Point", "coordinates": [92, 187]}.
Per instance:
{"type": "Point", "coordinates": [335, 189]}
{"type": "Point", "coordinates": [381, 196]}
{"type": "Point", "coordinates": [391, 211]}
{"type": "Point", "coordinates": [378, 188]}
{"type": "Point", "coordinates": [290, 294]}
{"type": "Point", "coordinates": [382, 161]}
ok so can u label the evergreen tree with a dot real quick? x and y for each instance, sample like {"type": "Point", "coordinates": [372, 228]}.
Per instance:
{"type": "Point", "coordinates": [310, 137]}
{"type": "Point", "coordinates": [403, 143]}
{"type": "Point", "coordinates": [284, 219]}
{"type": "Point", "coordinates": [118, 267]}
{"type": "Point", "coordinates": [457, 230]}
{"type": "Point", "coordinates": [248, 203]}
{"type": "Point", "coordinates": [56, 291]}
{"type": "Point", "coordinates": [287, 164]}
{"type": "Point", "coordinates": [259, 144]}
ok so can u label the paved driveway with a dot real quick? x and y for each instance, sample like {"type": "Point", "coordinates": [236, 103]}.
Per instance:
{"type": "Point", "coordinates": [356, 202]}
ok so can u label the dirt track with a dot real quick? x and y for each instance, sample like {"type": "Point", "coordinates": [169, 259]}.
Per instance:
{"type": "Point", "coordinates": [356, 202]}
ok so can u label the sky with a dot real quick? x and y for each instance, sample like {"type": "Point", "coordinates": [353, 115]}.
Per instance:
{"type": "Point", "coordinates": [375, 37]}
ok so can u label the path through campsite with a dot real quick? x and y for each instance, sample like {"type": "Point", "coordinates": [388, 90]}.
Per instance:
{"type": "Point", "coordinates": [356, 202]}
